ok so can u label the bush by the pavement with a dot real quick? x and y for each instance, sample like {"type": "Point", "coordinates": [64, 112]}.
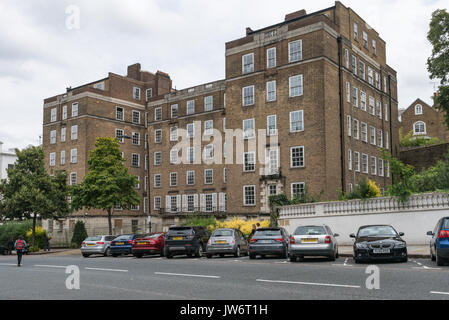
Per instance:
{"type": "Point", "coordinates": [39, 234]}
{"type": "Point", "coordinates": [14, 229]}
{"type": "Point", "coordinates": [79, 233]}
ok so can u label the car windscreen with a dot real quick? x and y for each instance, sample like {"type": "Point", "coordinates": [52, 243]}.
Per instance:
{"type": "Point", "coordinates": [267, 233]}
{"type": "Point", "coordinates": [377, 231]}
{"type": "Point", "coordinates": [180, 230]}
{"type": "Point", "coordinates": [93, 239]}
{"type": "Point", "coordinates": [310, 231]}
{"type": "Point", "coordinates": [223, 233]}
{"type": "Point", "coordinates": [124, 237]}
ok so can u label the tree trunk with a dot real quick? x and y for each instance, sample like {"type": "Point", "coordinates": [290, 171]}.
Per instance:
{"type": "Point", "coordinates": [34, 230]}
{"type": "Point", "coordinates": [110, 221]}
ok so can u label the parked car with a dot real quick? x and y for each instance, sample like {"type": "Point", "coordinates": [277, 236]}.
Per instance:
{"type": "Point", "coordinates": [313, 240]}
{"type": "Point", "coordinates": [439, 244]}
{"type": "Point", "coordinates": [152, 243]}
{"type": "Point", "coordinates": [226, 241]}
{"type": "Point", "coordinates": [96, 245]}
{"type": "Point", "coordinates": [379, 242]}
{"type": "Point", "coordinates": [269, 241]}
{"type": "Point", "coordinates": [186, 240]}
{"type": "Point", "coordinates": [123, 244]}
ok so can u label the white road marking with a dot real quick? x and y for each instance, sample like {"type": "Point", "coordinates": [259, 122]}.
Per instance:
{"type": "Point", "coordinates": [49, 266]}
{"type": "Point", "coordinates": [436, 292]}
{"type": "Point", "coordinates": [102, 269]}
{"type": "Point", "coordinates": [8, 264]}
{"type": "Point", "coordinates": [310, 283]}
{"type": "Point", "coordinates": [281, 261]}
{"type": "Point", "coordinates": [186, 275]}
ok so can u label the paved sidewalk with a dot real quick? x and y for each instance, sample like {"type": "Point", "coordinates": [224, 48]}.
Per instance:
{"type": "Point", "coordinates": [54, 252]}
{"type": "Point", "coordinates": [413, 251]}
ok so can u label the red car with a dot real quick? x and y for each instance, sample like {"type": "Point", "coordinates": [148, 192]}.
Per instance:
{"type": "Point", "coordinates": [152, 243]}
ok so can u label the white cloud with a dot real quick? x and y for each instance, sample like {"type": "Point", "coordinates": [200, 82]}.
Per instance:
{"type": "Point", "coordinates": [40, 57]}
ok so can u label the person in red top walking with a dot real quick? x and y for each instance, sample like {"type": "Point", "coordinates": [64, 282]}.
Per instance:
{"type": "Point", "coordinates": [20, 246]}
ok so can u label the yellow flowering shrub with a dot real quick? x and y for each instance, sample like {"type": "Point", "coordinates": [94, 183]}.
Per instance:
{"type": "Point", "coordinates": [242, 225]}
{"type": "Point", "coordinates": [374, 190]}
{"type": "Point", "coordinates": [39, 236]}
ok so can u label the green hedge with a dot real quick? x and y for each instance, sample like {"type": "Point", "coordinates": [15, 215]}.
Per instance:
{"type": "Point", "coordinates": [14, 229]}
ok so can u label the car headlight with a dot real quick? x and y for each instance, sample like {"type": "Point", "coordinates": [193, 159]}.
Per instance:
{"type": "Point", "coordinates": [361, 245]}
{"type": "Point", "coordinates": [399, 245]}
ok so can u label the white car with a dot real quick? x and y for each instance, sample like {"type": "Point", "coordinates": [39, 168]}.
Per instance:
{"type": "Point", "coordinates": [96, 245]}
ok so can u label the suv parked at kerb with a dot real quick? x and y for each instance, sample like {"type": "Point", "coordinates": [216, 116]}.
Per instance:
{"type": "Point", "coordinates": [186, 240]}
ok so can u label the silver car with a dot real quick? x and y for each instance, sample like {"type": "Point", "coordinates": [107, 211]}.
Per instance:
{"type": "Point", "coordinates": [96, 245]}
{"type": "Point", "coordinates": [313, 240]}
{"type": "Point", "coordinates": [226, 241]}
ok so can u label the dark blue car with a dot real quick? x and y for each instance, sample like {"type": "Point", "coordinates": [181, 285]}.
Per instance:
{"type": "Point", "coordinates": [123, 244]}
{"type": "Point", "coordinates": [439, 244]}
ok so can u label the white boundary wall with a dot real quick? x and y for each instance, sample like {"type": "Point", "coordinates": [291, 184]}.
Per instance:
{"type": "Point", "coordinates": [415, 217]}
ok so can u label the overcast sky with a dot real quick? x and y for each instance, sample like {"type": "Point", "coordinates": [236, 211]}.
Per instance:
{"type": "Point", "coordinates": [40, 56]}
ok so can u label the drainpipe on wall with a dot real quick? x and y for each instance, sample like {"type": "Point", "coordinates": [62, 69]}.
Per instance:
{"type": "Point", "coordinates": [342, 136]}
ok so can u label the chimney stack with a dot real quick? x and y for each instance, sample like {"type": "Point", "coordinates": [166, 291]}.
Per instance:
{"type": "Point", "coordinates": [294, 15]}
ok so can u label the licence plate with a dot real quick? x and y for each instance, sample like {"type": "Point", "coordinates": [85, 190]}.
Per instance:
{"type": "Point", "coordinates": [120, 243]}
{"type": "Point", "coordinates": [90, 245]}
{"type": "Point", "coordinates": [141, 243]}
{"type": "Point", "coordinates": [221, 241]}
{"type": "Point", "coordinates": [381, 250]}
{"type": "Point", "coordinates": [177, 238]}
{"type": "Point", "coordinates": [265, 241]}
{"type": "Point", "coordinates": [311, 240]}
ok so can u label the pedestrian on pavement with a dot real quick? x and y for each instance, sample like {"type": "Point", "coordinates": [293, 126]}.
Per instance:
{"type": "Point", "coordinates": [46, 242]}
{"type": "Point", "coordinates": [258, 225]}
{"type": "Point", "coordinates": [20, 245]}
{"type": "Point", "coordinates": [252, 232]}
{"type": "Point", "coordinates": [10, 246]}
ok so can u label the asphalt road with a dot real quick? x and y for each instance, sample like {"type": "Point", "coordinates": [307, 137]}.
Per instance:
{"type": "Point", "coordinates": [153, 278]}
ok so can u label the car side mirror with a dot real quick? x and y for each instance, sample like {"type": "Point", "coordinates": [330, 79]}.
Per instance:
{"type": "Point", "coordinates": [336, 235]}
{"type": "Point", "coordinates": [401, 234]}
{"type": "Point", "coordinates": [430, 233]}
{"type": "Point", "coordinates": [352, 235]}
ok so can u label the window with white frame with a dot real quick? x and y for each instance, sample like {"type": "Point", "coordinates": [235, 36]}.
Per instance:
{"type": "Point", "coordinates": [271, 57]}
{"type": "Point", "coordinates": [136, 138]}
{"type": "Point", "coordinates": [119, 134]}
{"type": "Point", "coordinates": [348, 91]}
{"type": "Point", "coordinates": [364, 163]}
{"type": "Point", "coordinates": [349, 159]}
{"type": "Point", "coordinates": [53, 115]}
{"type": "Point", "coordinates": [191, 154]}
{"type": "Point", "coordinates": [297, 121]}
{"type": "Point", "coordinates": [136, 117]}
{"type": "Point", "coordinates": [174, 156]}
{"type": "Point", "coordinates": [208, 176]}
{"type": "Point", "coordinates": [174, 110]}
{"type": "Point", "coordinates": [190, 177]}
{"type": "Point", "coordinates": [356, 161]}
{"type": "Point", "coordinates": [157, 203]}
{"type": "Point", "coordinates": [174, 205]}
{"type": "Point", "coordinates": [248, 129]}
{"type": "Point", "coordinates": [190, 202]}
{"type": "Point", "coordinates": [52, 159]}
{"type": "Point", "coordinates": [387, 141]}
{"type": "Point", "coordinates": [224, 175]}
{"type": "Point", "coordinates": [249, 161]}
{"type": "Point", "coordinates": [295, 86]}
{"type": "Point", "coordinates": [119, 113]}
{"type": "Point", "coordinates": [418, 109]}
{"type": "Point", "coordinates": [209, 202]}
{"type": "Point", "coordinates": [354, 65]}
{"type": "Point", "coordinates": [297, 157]}
{"type": "Point", "coordinates": [64, 112]}
{"type": "Point", "coordinates": [190, 130]}
{"type": "Point", "coordinates": [173, 179]}
{"type": "Point", "coordinates": [419, 127]}
{"type": "Point", "coordinates": [378, 80]}
{"type": "Point", "coordinates": [271, 90]}
{"type": "Point", "coordinates": [364, 131]}
{"type": "Point", "coordinates": [355, 97]}
{"type": "Point", "coordinates": [248, 63]}
{"type": "Point", "coordinates": [297, 190]}
{"type": "Point", "coordinates": [374, 46]}
{"type": "Point", "coordinates": [362, 100]}
{"type": "Point", "coordinates": [249, 195]}
{"type": "Point", "coordinates": [157, 180]}
{"type": "Point", "coordinates": [158, 114]}
{"type": "Point", "coordinates": [209, 152]}
{"type": "Point", "coordinates": [136, 93]}
{"type": "Point", "coordinates": [371, 105]}
{"type": "Point", "coordinates": [271, 125]}
{"type": "Point", "coordinates": [135, 160]}
{"type": "Point", "coordinates": [362, 69]}
{"type": "Point", "coordinates": [272, 190]}
{"type": "Point", "coordinates": [174, 133]}
{"type": "Point", "coordinates": [190, 107]}
{"type": "Point", "coordinates": [138, 182]}
{"type": "Point", "coordinates": [381, 167]}
{"type": "Point", "coordinates": [365, 40]}
{"type": "Point", "coordinates": [148, 93]}
{"type": "Point", "coordinates": [348, 125]}
{"type": "Point", "coordinates": [157, 158]}
{"type": "Point", "coordinates": [75, 109]}
{"type": "Point", "coordinates": [355, 129]}
{"type": "Point", "coordinates": [385, 84]}
{"type": "Point", "coordinates": [74, 132]}
{"type": "Point", "coordinates": [370, 75]}
{"type": "Point", "coordinates": [74, 156]}
{"type": "Point", "coordinates": [208, 103]}
{"type": "Point", "coordinates": [347, 58]}
{"type": "Point", "coordinates": [63, 157]}
{"type": "Point", "coordinates": [388, 168]}
{"type": "Point", "coordinates": [208, 127]}
{"type": "Point", "coordinates": [52, 136]}
{"type": "Point", "coordinates": [273, 161]}
{"type": "Point", "coordinates": [248, 95]}
{"type": "Point", "coordinates": [380, 140]}
{"type": "Point", "coordinates": [295, 51]}
{"type": "Point", "coordinates": [386, 112]}
{"type": "Point", "coordinates": [374, 166]}
{"type": "Point", "coordinates": [73, 178]}
{"type": "Point", "coordinates": [356, 31]}
{"type": "Point", "coordinates": [372, 135]}
{"type": "Point", "coordinates": [158, 136]}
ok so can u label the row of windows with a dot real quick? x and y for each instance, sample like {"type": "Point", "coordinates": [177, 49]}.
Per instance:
{"type": "Point", "coordinates": [365, 39]}
{"type": "Point", "coordinates": [190, 178]}
{"type": "Point", "coordinates": [73, 134]}
{"type": "Point", "coordinates": [374, 106]}
{"type": "Point", "coordinates": [120, 115]}
{"type": "Point", "coordinates": [208, 202]}
{"type": "Point", "coordinates": [360, 132]}
{"type": "Point", "coordinates": [136, 93]}
{"type": "Point", "coordinates": [294, 55]}
{"type": "Point", "coordinates": [368, 165]}
{"type": "Point", "coordinates": [135, 137]}
{"type": "Point", "coordinates": [73, 157]}
{"type": "Point", "coordinates": [54, 112]}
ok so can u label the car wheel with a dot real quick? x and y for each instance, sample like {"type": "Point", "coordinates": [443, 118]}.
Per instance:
{"type": "Point", "coordinates": [222, 255]}
{"type": "Point", "coordinates": [85, 255]}
{"type": "Point", "coordinates": [292, 258]}
{"type": "Point", "coordinates": [208, 255]}
{"type": "Point", "coordinates": [114, 255]}
{"type": "Point", "coordinates": [168, 256]}
{"type": "Point", "coordinates": [357, 260]}
{"type": "Point", "coordinates": [138, 255]}
{"type": "Point", "coordinates": [199, 251]}
{"type": "Point", "coordinates": [432, 256]}
{"type": "Point", "coordinates": [252, 256]}
{"type": "Point", "coordinates": [332, 257]}
{"type": "Point", "coordinates": [262, 256]}
{"type": "Point", "coordinates": [106, 253]}
{"type": "Point", "coordinates": [300, 258]}
{"type": "Point", "coordinates": [404, 259]}
{"type": "Point", "coordinates": [439, 260]}
{"type": "Point", "coordinates": [237, 252]}
{"type": "Point", "coordinates": [337, 255]}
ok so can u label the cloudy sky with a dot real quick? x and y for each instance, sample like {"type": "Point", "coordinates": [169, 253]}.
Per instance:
{"type": "Point", "coordinates": [40, 56]}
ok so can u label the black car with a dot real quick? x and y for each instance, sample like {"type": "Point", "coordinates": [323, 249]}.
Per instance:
{"type": "Point", "coordinates": [269, 241]}
{"type": "Point", "coordinates": [3, 250]}
{"type": "Point", "coordinates": [379, 242]}
{"type": "Point", "coordinates": [439, 244]}
{"type": "Point", "coordinates": [186, 241]}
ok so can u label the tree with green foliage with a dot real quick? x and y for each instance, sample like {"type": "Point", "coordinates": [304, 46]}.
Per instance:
{"type": "Point", "coordinates": [30, 191]}
{"type": "Point", "coordinates": [107, 183]}
{"type": "Point", "coordinates": [79, 233]}
{"type": "Point", "coordinates": [401, 177]}
{"type": "Point", "coordinates": [438, 63]}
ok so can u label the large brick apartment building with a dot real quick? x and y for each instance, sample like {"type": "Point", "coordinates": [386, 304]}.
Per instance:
{"type": "Point", "coordinates": [317, 83]}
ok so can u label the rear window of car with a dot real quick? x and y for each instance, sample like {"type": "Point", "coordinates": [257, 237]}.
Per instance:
{"type": "Point", "coordinates": [268, 232]}
{"type": "Point", "coordinates": [124, 237]}
{"type": "Point", "coordinates": [180, 230]}
{"type": "Point", "coordinates": [93, 239]}
{"type": "Point", "coordinates": [310, 230]}
{"type": "Point", "coordinates": [151, 236]}
{"type": "Point", "coordinates": [445, 224]}
{"type": "Point", "coordinates": [222, 233]}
